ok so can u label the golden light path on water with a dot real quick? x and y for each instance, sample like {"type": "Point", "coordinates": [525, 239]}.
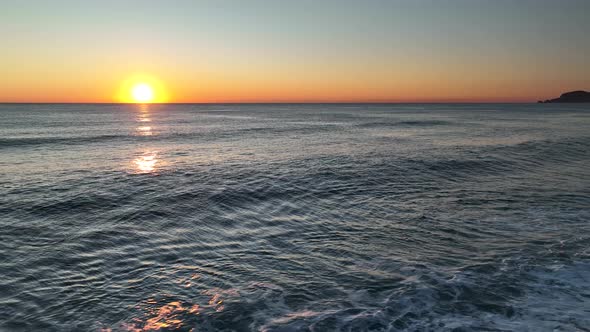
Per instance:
{"type": "Point", "coordinates": [145, 130]}
{"type": "Point", "coordinates": [148, 160]}
{"type": "Point", "coordinates": [174, 313]}
{"type": "Point", "coordinates": [157, 315]}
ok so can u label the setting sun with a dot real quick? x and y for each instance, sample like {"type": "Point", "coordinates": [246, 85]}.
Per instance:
{"type": "Point", "coordinates": [142, 89]}
{"type": "Point", "coordinates": [142, 93]}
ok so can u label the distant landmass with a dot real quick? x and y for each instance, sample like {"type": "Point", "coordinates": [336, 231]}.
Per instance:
{"type": "Point", "coordinates": [570, 97]}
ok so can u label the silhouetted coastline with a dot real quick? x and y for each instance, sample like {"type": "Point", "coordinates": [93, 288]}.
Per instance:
{"type": "Point", "coordinates": [570, 97]}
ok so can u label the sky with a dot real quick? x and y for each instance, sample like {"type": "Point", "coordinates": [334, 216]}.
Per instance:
{"type": "Point", "coordinates": [294, 51]}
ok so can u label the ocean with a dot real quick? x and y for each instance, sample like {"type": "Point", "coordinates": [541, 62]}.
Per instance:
{"type": "Point", "coordinates": [295, 217]}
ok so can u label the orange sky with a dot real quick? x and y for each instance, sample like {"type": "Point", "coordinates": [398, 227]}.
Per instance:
{"type": "Point", "coordinates": [281, 86]}
{"type": "Point", "coordinates": [338, 51]}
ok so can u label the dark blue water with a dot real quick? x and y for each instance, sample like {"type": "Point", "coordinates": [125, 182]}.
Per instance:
{"type": "Point", "coordinates": [295, 217]}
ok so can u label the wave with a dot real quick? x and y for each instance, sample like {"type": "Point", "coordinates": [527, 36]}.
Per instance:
{"type": "Point", "coordinates": [326, 228]}
{"type": "Point", "coordinates": [35, 141]}
{"type": "Point", "coordinates": [424, 123]}
{"type": "Point", "coordinates": [465, 301]}
{"type": "Point", "coordinates": [158, 136]}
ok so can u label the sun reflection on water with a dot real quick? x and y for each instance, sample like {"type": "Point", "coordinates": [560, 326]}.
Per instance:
{"type": "Point", "coordinates": [147, 162]}
{"type": "Point", "coordinates": [167, 316]}
{"type": "Point", "coordinates": [143, 116]}
{"type": "Point", "coordinates": [144, 131]}
{"type": "Point", "coordinates": [180, 312]}
{"type": "Point", "coordinates": [177, 314]}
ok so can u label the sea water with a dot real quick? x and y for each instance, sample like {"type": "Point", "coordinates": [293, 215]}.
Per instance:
{"type": "Point", "coordinates": [434, 217]}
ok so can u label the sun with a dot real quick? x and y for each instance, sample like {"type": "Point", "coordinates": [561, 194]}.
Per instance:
{"type": "Point", "coordinates": [142, 89]}
{"type": "Point", "coordinates": [142, 93]}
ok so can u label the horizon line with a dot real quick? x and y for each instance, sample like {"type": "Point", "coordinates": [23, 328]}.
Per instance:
{"type": "Point", "coordinates": [270, 102]}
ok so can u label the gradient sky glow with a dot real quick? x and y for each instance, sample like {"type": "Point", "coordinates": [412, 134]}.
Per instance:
{"type": "Point", "coordinates": [295, 51]}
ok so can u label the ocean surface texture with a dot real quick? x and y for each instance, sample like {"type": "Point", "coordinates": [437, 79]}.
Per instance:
{"type": "Point", "coordinates": [295, 217]}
